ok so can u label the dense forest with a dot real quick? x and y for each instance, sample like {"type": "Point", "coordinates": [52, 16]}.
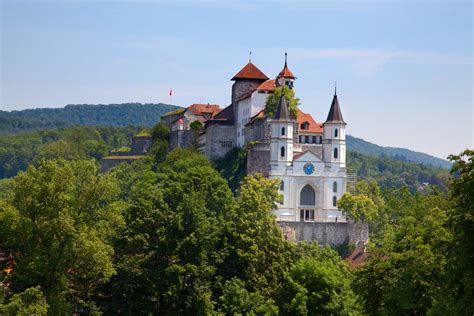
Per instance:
{"type": "Point", "coordinates": [167, 236]}
{"type": "Point", "coordinates": [124, 114]}
{"type": "Point", "coordinates": [148, 115]}
{"type": "Point", "coordinates": [79, 142]}
{"type": "Point", "coordinates": [361, 146]}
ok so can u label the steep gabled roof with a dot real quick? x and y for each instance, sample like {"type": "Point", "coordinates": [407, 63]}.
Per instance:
{"type": "Point", "coordinates": [250, 71]}
{"type": "Point", "coordinates": [335, 113]}
{"type": "Point", "coordinates": [226, 114]}
{"type": "Point", "coordinates": [282, 112]}
{"type": "Point", "coordinates": [313, 126]}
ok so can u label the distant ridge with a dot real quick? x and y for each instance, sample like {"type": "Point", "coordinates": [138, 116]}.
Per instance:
{"type": "Point", "coordinates": [364, 147]}
{"type": "Point", "coordinates": [124, 114]}
{"type": "Point", "coordinates": [148, 114]}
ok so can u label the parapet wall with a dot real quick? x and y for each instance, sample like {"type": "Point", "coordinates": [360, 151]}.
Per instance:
{"type": "Point", "coordinates": [326, 233]}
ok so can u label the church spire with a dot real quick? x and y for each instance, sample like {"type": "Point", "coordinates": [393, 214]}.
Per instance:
{"type": "Point", "coordinates": [282, 109]}
{"type": "Point", "coordinates": [286, 72]}
{"type": "Point", "coordinates": [335, 113]}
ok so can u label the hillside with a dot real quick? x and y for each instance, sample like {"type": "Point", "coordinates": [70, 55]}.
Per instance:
{"type": "Point", "coordinates": [402, 154]}
{"type": "Point", "coordinates": [124, 114]}
{"type": "Point", "coordinates": [149, 114]}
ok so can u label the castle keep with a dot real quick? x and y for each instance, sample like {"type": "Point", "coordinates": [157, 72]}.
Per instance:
{"type": "Point", "coordinates": [308, 157]}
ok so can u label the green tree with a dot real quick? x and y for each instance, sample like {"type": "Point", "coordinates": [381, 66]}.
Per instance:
{"type": "Point", "coordinates": [173, 239]}
{"type": "Point", "coordinates": [457, 295]}
{"type": "Point", "coordinates": [318, 283]}
{"type": "Point", "coordinates": [30, 302]}
{"type": "Point", "coordinates": [405, 266]}
{"type": "Point", "coordinates": [274, 98]}
{"type": "Point", "coordinates": [258, 255]}
{"type": "Point", "coordinates": [57, 222]}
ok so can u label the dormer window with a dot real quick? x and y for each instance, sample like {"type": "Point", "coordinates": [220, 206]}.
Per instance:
{"type": "Point", "coordinates": [304, 125]}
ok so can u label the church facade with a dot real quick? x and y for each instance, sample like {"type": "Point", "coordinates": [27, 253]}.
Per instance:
{"type": "Point", "coordinates": [308, 157]}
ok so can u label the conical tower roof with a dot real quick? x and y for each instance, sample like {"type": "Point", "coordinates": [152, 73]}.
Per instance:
{"type": "Point", "coordinates": [282, 109]}
{"type": "Point", "coordinates": [335, 113]}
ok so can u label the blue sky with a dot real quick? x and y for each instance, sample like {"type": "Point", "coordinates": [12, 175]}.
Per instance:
{"type": "Point", "coordinates": [404, 68]}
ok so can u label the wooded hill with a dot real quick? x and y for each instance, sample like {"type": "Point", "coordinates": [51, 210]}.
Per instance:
{"type": "Point", "coordinates": [147, 115]}
{"type": "Point", "coordinates": [124, 114]}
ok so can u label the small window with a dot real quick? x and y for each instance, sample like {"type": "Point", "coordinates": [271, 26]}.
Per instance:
{"type": "Point", "coordinates": [282, 185]}
{"type": "Point", "coordinates": [334, 187]}
{"type": "Point", "coordinates": [335, 132]}
{"type": "Point", "coordinates": [282, 131]}
{"type": "Point", "coordinates": [301, 138]}
{"type": "Point", "coordinates": [282, 151]}
{"type": "Point", "coordinates": [334, 201]}
{"type": "Point", "coordinates": [313, 139]}
{"type": "Point", "coordinates": [335, 153]}
{"type": "Point", "coordinates": [306, 139]}
{"type": "Point", "coordinates": [304, 125]}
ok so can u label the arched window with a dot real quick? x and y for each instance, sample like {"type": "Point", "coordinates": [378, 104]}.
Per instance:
{"type": "Point", "coordinates": [335, 132]}
{"type": "Point", "coordinates": [307, 196]}
{"type": "Point", "coordinates": [282, 151]}
{"type": "Point", "coordinates": [282, 131]}
{"type": "Point", "coordinates": [334, 187]}
{"type": "Point", "coordinates": [335, 153]}
{"type": "Point", "coordinates": [334, 201]}
{"type": "Point", "coordinates": [282, 185]}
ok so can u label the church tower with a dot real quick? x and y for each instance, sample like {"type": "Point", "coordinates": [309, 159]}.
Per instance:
{"type": "Point", "coordinates": [285, 77]}
{"type": "Point", "coordinates": [281, 143]}
{"type": "Point", "coordinates": [334, 137]}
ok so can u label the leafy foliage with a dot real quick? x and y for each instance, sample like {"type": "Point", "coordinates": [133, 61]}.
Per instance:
{"type": "Point", "coordinates": [56, 223]}
{"type": "Point", "coordinates": [29, 302]}
{"type": "Point", "coordinates": [274, 98]}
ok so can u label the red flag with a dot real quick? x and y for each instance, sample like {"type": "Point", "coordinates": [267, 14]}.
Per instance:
{"type": "Point", "coordinates": [171, 91]}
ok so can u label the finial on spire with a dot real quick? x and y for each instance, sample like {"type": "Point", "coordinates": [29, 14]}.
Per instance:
{"type": "Point", "coordinates": [335, 87]}
{"type": "Point", "coordinates": [250, 56]}
{"type": "Point", "coordinates": [286, 55]}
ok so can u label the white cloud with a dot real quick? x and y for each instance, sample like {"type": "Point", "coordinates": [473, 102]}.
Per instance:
{"type": "Point", "coordinates": [369, 61]}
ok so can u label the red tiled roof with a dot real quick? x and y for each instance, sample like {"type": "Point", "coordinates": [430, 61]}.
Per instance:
{"type": "Point", "coordinates": [268, 85]}
{"type": "Point", "coordinates": [200, 109]}
{"type": "Point", "coordinates": [250, 71]}
{"type": "Point", "coordinates": [286, 73]}
{"type": "Point", "coordinates": [313, 126]}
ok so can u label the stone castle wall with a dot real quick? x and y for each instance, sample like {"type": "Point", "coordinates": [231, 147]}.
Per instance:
{"type": "Point", "coordinates": [219, 139]}
{"type": "Point", "coordinates": [326, 233]}
{"type": "Point", "coordinates": [140, 145]}
{"type": "Point", "coordinates": [258, 159]}
{"type": "Point", "coordinates": [183, 138]}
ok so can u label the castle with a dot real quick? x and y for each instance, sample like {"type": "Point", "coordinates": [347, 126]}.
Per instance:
{"type": "Point", "coordinates": [308, 157]}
